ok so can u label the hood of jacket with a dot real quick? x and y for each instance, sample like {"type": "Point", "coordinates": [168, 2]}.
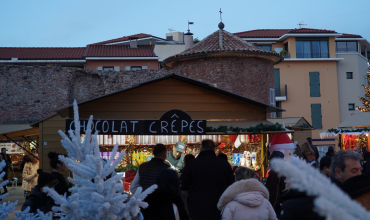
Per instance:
{"type": "Point", "coordinates": [248, 192]}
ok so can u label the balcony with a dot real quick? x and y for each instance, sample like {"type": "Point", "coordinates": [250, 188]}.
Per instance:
{"type": "Point", "coordinates": [281, 93]}
{"type": "Point", "coordinates": [285, 55]}
{"type": "Point", "coordinates": [313, 55]}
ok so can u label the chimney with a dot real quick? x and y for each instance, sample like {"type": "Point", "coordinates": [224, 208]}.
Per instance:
{"type": "Point", "coordinates": [133, 42]}
{"type": "Point", "coordinates": [188, 40]}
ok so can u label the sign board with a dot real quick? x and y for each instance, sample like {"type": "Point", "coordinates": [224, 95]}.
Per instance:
{"type": "Point", "coordinates": [12, 148]}
{"type": "Point", "coordinates": [173, 122]}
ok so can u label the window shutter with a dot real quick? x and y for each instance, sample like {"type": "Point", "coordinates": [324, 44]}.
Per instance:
{"type": "Point", "coordinates": [144, 67]}
{"type": "Point", "coordinates": [127, 68]}
{"type": "Point", "coordinates": [116, 68]}
{"type": "Point", "coordinates": [272, 97]}
{"type": "Point", "coordinates": [99, 68]}
{"type": "Point", "coordinates": [277, 81]}
{"type": "Point", "coordinates": [316, 116]}
{"type": "Point", "coordinates": [315, 84]}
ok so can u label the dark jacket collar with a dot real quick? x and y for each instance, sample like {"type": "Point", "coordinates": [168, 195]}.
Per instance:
{"type": "Point", "coordinates": [207, 153]}
{"type": "Point", "coordinates": [337, 182]}
{"type": "Point", "coordinates": [156, 160]}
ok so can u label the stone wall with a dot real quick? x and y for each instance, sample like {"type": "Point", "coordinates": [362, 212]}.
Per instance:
{"type": "Point", "coordinates": [29, 94]}
{"type": "Point", "coordinates": [249, 77]}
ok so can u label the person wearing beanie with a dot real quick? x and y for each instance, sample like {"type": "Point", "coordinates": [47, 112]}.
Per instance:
{"type": "Point", "coordinates": [358, 188]}
{"type": "Point", "coordinates": [58, 168]}
{"type": "Point", "coordinates": [176, 156]}
{"type": "Point", "coordinates": [41, 200]}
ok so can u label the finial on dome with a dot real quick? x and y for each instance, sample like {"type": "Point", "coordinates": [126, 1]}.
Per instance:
{"type": "Point", "coordinates": [221, 26]}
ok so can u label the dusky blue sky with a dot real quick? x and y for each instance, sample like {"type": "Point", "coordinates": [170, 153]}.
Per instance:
{"type": "Point", "coordinates": [76, 23]}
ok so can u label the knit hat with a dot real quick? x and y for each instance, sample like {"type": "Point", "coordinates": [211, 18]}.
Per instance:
{"type": "Point", "coordinates": [357, 186]}
{"type": "Point", "coordinates": [44, 178]}
{"type": "Point", "coordinates": [180, 146]}
{"type": "Point", "coordinates": [281, 142]}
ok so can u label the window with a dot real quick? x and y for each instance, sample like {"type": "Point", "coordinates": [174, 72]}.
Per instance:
{"type": "Point", "coordinates": [265, 47]}
{"type": "Point", "coordinates": [272, 97]}
{"type": "Point", "coordinates": [278, 114]}
{"type": "Point", "coordinates": [134, 68]}
{"type": "Point", "coordinates": [346, 46]}
{"type": "Point", "coordinates": [315, 84]}
{"type": "Point", "coordinates": [349, 75]}
{"type": "Point", "coordinates": [316, 116]}
{"type": "Point", "coordinates": [312, 48]}
{"type": "Point", "coordinates": [106, 68]}
{"type": "Point", "coordinates": [351, 107]}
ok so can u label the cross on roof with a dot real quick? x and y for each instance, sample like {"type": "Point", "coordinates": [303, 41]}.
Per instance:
{"type": "Point", "coordinates": [220, 15]}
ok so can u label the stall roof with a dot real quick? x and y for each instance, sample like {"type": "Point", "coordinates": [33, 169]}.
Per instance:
{"type": "Point", "coordinates": [357, 119]}
{"type": "Point", "coordinates": [293, 122]}
{"type": "Point", "coordinates": [15, 131]}
{"type": "Point", "coordinates": [65, 111]}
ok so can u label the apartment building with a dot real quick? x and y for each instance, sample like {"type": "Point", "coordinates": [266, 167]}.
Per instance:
{"type": "Point", "coordinates": [320, 77]}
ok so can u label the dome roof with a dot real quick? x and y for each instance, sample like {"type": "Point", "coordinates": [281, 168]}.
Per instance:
{"type": "Point", "coordinates": [223, 44]}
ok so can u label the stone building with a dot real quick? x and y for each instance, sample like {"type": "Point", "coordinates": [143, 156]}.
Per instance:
{"type": "Point", "coordinates": [230, 63]}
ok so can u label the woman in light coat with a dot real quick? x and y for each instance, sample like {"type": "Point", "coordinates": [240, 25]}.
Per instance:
{"type": "Point", "coordinates": [30, 175]}
{"type": "Point", "coordinates": [246, 199]}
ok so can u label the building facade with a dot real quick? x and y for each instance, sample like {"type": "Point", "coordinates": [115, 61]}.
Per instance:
{"type": "Point", "coordinates": [320, 77]}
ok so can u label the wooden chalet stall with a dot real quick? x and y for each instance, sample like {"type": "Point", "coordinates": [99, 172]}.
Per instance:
{"type": "Point", "coordinates": [214, 114]}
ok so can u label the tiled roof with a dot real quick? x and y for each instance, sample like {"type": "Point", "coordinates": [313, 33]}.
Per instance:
{"type": "Point", "coordinates": [125, 38]}
{"type": "Point", "coordinates": [350, 36]}
{"type": "Point", "coordinates": [42, 53]}
{"type": "Point", "coordinates": [223, 42]}
{"type": "Point", "coordinates": [310, 30]}
{"type": "Point", "coordinates": [260, 33]}
{"type": "Point", "coordinates": [119, 51]}
{"type": "Point", "coordinates": [276, 33]}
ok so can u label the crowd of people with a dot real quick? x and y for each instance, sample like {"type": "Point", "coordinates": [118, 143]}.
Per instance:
{"type": "Point", "coordinates": [206, 187]}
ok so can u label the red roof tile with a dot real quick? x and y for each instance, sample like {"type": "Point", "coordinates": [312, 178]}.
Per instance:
{"type": "Point", "coordinates": [125, 38]}
{"type": "Point", "coordinates": [350, 36]}
{"type": "Point", "coordinates": [276, 33]}
{"type": "Point", "coordinates": [119, 51]}
{"type": "Point", "coordinates": [223, 41]}
{"type": "Point", "coordinates": [42, 53]}
{"type": "Point", "coordinates": [261, 33]}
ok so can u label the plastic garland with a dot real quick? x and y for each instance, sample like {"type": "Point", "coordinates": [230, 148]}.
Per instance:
{"type": "Point", "coordinates": [254, 129]}
{"type": "Point", "coordinates": [343, 131]}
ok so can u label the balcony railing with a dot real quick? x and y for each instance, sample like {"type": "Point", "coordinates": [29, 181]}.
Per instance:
{"type": "Point", "coordinates": [285, 55]}
{"type": "Point", "coordinates": [281, 93]}
{"type": "Point", "coordinates": [313, 55]}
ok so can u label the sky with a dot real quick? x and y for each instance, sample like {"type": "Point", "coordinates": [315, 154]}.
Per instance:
{"type": "Point", "coordinates": [76, 23]}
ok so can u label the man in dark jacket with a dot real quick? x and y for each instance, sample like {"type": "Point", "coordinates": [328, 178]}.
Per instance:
{"type": "Point", "coordinates": [275, 184]}
{"type": "Point", "coordinates": [367, 160]}
{"type": "Point", "coordinates": [297, 205]}
{"type": "Point", "coordinates": [39, 199]}
{"type": "Point", "coordinates": [9, 163]}
{"type": "Point", "coordinates": [206, 178]}
{"type": "Point", "coordinates": [344, 165]}
{"type": "Point", "coordinates": [148, 171]}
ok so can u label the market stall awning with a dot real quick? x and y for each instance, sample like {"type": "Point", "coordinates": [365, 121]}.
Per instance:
{"type": "Point", "coordinates": [244, 124]}
{"type": "Point", "coordinates": [17, 131]}
{"type": "Point", "coordinates": [358, 119]}
{"type": "Point", "coordinates": [295, 123]}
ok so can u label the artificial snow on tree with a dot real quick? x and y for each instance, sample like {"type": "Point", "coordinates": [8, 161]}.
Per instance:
{"type": "Point", "coordinates": [331, 202]}
{"type": "Point", "coordinates": [25, 215]}
{"type": "Point", "coordinates": [96, 194]}
{"type": "Point", "coordinates": [366, 101]}
{"type": "Point", "coordinates": [5, 208]}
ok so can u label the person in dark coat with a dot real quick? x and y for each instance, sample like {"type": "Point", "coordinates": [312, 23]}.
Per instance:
{"type": "Point", "coordinates": [297, 205]}
{"type": "Point", "coordinates": [206, 178]}
{"type": "Point", "coordinates": [275, 184]}
{"type": "Point", "coordinates": [314, 148]}
{"type": "Point", "coordinates": [9, 163]}
{"type": "Point", "coordinates": [58, 168]}
{"type": "Point", "coordinates": [330, 152]}
{"type": "Point", "coordinates": [39, 199]}
{"type": "Point", "coordinates": [367, 159]}
{"type": "Point", "coordinates": [165, 202]}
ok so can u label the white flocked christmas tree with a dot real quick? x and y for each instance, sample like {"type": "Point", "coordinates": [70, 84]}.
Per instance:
{"type": "Point", "coordinates": [94, 196]}
{"type": "Point", "coordinates": [331, 202]}
{"type": "Point", "coordinates": [5, 208]}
